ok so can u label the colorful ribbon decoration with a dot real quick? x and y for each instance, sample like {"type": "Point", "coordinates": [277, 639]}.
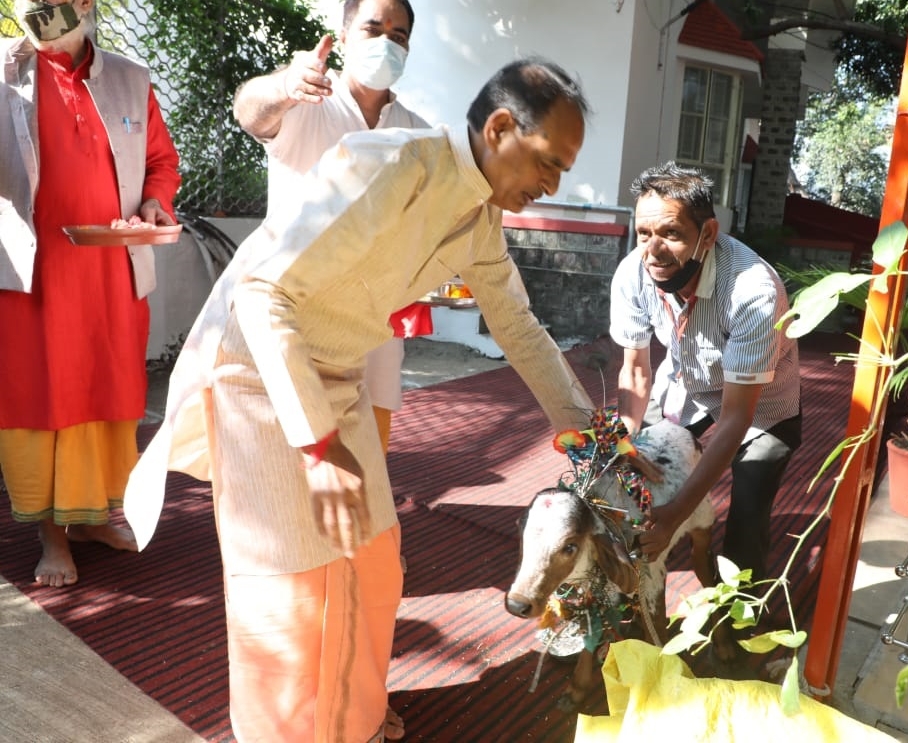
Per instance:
{"type": "Point", "coordinates": [607, 438]}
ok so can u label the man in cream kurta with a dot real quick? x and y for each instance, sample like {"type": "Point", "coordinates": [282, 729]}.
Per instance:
{"type": "Point", "coordinates": [385, 217]}
{"type": "Point", "coordinates": [301, 110]}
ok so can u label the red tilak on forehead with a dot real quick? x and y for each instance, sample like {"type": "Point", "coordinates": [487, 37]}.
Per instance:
{"type": "Point", "coordinates": [547, 501]}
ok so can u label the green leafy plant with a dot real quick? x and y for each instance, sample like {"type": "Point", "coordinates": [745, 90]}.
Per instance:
{"type": "Point", "coordinates": [202, 51]}
{"type": "Point", "coordinates": [736, 599]}
{"type": "Point", "coordinates": [854, 297]}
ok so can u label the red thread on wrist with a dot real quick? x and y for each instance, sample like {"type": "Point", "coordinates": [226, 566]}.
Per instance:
{"type": "Point", "coordinates": [316, 454]}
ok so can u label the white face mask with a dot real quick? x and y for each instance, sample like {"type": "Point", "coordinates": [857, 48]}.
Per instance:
{"type": "Point", "coordinates": [376, 63]}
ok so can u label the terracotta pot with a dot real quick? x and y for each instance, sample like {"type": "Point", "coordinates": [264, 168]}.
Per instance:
{"type": "Point", "coordinates": [898, 477]}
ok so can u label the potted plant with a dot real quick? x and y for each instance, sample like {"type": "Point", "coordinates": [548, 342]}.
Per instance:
{"type": "Point", "coordinates": [897, 451]}
{"type": "Point", "coordinates": [734, 599]}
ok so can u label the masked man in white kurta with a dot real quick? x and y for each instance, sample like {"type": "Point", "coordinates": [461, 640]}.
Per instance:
{"type": "Point", "coordinates": [301, 110]}
{"type": "Point", "coordinates": [307, 526]}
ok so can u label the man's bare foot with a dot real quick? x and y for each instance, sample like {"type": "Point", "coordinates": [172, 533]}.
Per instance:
{"type": "Point", "coordinates": [56, 567]}
{"type": "Point", "coordinates": [118, 537]}
{"type": "Point", "coordinates": [394, 725]}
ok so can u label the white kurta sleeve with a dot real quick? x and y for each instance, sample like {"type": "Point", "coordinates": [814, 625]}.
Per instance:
{"type": "Point", "coordinates": [504, 303]}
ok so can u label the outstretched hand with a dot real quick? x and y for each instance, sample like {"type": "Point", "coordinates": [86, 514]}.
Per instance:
{"type": "Point", "coordinates": [304, 78]}
{"type": "Point", "coordinates": [338, 498]}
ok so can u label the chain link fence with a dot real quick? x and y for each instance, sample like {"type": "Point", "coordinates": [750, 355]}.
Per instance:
{"type": "Point", "coordinates": [199, 52]}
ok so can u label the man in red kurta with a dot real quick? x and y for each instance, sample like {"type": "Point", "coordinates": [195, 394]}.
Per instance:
{"type": "Point", "coordinates": [72, 381]}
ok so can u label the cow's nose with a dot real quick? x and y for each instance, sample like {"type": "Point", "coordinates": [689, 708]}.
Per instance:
{"type": "Point", "coordinates": [518, 605]}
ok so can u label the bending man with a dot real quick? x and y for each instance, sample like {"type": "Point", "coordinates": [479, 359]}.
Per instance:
{"type": "Point", "coordinates": [713, 303]}
{"type": "Point", "coordinates": [308, 530]}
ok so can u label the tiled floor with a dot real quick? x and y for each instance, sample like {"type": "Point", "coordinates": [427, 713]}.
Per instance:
{"type": "Point", "coordinates": [865, 682]}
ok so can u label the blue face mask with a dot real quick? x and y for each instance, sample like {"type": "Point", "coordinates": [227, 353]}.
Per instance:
{"type": "Point", "coordinates": [46, 22]}
{"type": "Point", "coordinates": [376, 63]}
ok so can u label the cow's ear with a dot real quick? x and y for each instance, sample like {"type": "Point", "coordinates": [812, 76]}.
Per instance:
{"type": "Point", "coordinates": [615, 562]}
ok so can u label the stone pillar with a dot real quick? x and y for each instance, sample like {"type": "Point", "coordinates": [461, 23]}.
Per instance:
{"type": "Point", "coordinates": [779, 114]}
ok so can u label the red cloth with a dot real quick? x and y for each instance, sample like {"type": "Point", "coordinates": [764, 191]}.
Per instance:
{"type": "Point", "coordinates": [74, 349]}
{"type": "Point", "coordinates": [411, 321]}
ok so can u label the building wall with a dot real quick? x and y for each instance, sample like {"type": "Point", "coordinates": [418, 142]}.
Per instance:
{"type": "Point", "coordinates": [567, 276]}
{"type": "Point", "coordinates": [650, 130]}
{"type": "Point", "coordinates": [457, 46]}
{"type": "Point", "coordinates": [568, 273]}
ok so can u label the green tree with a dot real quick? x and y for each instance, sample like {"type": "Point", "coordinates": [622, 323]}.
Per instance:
{"type": "Point", "coordinates": [841, 145]}
{"type": "Point", "coordinates": [868, 28]}
{"type": "Point", "coordinates": [876, 59]}
{"type": "Point", "coordinates": [203, 50]}
{"type": "Point", "coordinates": [872, 42]}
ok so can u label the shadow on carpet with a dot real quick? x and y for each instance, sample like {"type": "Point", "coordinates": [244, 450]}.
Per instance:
{"type": "Point", "coordinates": [466, 457]}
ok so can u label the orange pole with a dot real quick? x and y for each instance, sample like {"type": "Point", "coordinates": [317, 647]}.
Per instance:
{"type": "Point", "coordinates": [846, 526]}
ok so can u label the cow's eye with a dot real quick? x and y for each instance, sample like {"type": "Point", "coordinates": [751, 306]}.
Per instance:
{"type": "Point", "coordinates": [569, 549]}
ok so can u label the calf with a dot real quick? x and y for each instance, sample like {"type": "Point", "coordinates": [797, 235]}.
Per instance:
{"type": "Point", "coordinates": [569, 538]}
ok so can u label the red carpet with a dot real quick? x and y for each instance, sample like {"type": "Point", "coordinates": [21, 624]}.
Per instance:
{"type": "Point", "coordinates": [466, 456]}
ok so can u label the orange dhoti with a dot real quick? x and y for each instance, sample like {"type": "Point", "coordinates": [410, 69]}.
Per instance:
{"type": "Point", "coordinates": [309, 652]}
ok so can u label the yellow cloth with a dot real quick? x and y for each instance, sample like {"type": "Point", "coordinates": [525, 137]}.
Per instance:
{"type": "Point", "coordinates": [383, 421]}
{"type": "Point", "coordinates": [656, 697]}
{"type": "Point", "coordinates": [74, 475]}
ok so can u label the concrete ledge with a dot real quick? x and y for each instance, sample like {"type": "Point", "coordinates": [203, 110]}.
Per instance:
{"type": "Point", "coordinates": [57, 690]}
{"type": "Point", "coordinates": [462, 326]}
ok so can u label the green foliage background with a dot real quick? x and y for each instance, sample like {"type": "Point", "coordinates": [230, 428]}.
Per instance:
{"type": "Point", "coordinates": [199, 52]}
{"type": "Point", "coordinates": [842, 144]}
{"type": "Point", "coordinates": [877, 63]}
{"type": "Point", "coordinates": [202, 51]}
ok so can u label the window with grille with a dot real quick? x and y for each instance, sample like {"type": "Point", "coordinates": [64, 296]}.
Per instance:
{"type": "Point", "coordinates": [710, 104]}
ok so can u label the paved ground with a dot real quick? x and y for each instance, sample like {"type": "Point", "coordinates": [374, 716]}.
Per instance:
{"type": "Point", "coordinates": [53, 689]}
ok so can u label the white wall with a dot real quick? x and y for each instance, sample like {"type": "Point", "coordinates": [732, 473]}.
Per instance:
{"type": "Point", "coordinates": [183, 284]}
{"type": "Point", "coordinates": [458, 44]}
{"type": "Point", "coordinates": [186, 271]}
{"type": "Point", "coordinates": [646, 137]}
{"type": "Point", "coordinates": [623, 51]}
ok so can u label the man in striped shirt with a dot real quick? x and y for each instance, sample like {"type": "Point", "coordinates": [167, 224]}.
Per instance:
{"type": "Point", "coordinates": [713, 303]}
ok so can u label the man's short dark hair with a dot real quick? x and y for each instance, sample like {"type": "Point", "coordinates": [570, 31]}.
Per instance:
{"type": "Point", "coordinates": [528, 88]}
{"type": "Point", "coordinates": [687, 185]}
{"type": "Point", "coordinates": [351, 7]}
